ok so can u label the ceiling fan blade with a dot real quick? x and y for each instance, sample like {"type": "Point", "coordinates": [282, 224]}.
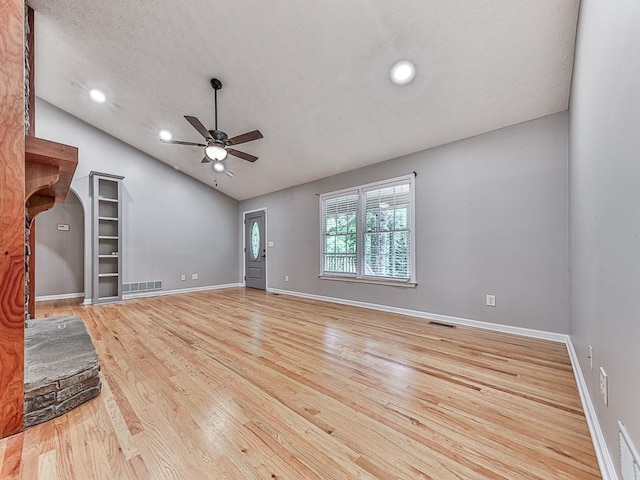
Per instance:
{"type": "Point", "coordinates": [244, 138]}
{"type": "Point", "coordinates": [197, 124]}
{"type": "Point", "coordinates": [205, 160]}
{"type": "Point", "coordinates": [244, 156]}
{"type": "Point", "coordinates": [178, 142]}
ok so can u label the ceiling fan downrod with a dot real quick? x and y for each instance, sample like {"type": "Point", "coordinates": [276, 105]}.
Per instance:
{"type": "Point", "coordinates": [216, 85]}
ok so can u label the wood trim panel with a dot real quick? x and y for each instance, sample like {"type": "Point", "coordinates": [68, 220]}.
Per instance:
{"type": "Point", "coordinates": [12, 216]}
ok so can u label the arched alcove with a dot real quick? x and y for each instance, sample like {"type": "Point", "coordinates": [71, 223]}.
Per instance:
{"type": "Point", "coordinates": [60, 251]}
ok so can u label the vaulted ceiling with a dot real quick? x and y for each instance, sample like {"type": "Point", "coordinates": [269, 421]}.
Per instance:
{"type": "Point", "coordinates": [313, 77]}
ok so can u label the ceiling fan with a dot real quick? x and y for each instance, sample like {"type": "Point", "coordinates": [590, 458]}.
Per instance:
{"type": "Point", "coordinates": [217, 144]}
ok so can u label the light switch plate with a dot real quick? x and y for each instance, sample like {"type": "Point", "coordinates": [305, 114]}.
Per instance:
{"type": "Point", "coordinates": [604, 386]}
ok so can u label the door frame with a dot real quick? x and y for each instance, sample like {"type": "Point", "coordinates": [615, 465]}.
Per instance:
{"type": "Point", "coordinates": [244, 245]}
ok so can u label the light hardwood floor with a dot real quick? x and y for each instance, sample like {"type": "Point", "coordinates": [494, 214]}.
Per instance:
{"type": "Point", "coordinates": [235, 384]}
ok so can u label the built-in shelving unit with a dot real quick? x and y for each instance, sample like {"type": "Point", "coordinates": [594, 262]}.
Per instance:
{"type": "Point", "coordinates": [107, 237]}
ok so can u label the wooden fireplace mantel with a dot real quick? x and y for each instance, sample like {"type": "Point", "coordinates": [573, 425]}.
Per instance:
{"type": "Point", "coordinates": [49, 169]}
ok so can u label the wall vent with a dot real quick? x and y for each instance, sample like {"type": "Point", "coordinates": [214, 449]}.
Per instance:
{"type": "Point", "coordinates": [629, 458]}
{"type": "Point", "coordinates": [439, 324]}
{"type": "Point", "coordinates": [142, 286]}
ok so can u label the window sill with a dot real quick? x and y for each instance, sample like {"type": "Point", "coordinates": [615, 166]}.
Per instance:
{"type": "Point", "coordinates": [375, 281]}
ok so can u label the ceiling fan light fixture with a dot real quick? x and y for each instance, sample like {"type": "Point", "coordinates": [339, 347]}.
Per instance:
{"type": "Point", "coordinates": [403, 72]}
{"type": "Point", "coordinates": [218, 166]}
{"type": "Point", "coordinates": [215, 152]}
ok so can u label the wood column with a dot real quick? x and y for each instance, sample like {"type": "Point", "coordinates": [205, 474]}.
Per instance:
{"type": "Point", "coordinates": [12, 210]}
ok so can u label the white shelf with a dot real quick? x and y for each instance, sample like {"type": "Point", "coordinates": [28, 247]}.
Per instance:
{"type": "Point", "coordinates": [107, 237]}
{"type": "Point", "coordinates": [115, 298]}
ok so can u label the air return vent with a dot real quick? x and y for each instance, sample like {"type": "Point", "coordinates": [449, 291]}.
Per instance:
{"type": "Point", "coordinates": [142, 286]}
{"type": "Point", "coordinates": [629, 458]}
{"type": "Point", "coordinates": [439, 324]}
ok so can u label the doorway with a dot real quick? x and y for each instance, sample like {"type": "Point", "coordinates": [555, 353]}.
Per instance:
{"type": "Point", "coordinates": [255, 254]}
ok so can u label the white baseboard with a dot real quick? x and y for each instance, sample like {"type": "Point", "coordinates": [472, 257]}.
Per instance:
{"type": "Point", "coordinates": [525, 332]}
{"type": "Point", "coordinates": [62, 296]}
{"type": "Point", "coordinates": [159, 293]}
{"type": "Point", "coordinates": [603, 455]}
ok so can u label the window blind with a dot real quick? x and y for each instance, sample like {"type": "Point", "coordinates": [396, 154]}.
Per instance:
{"type": "Point", "coordinates": [340, 226]}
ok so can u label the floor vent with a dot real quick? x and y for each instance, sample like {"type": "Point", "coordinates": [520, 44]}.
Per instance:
{"type": "Point", "coordinates": [438, 324]}
{"type": "Point", "coordinates": [629, 458]}
{"type": "Point", "coordinates": [142, 286]}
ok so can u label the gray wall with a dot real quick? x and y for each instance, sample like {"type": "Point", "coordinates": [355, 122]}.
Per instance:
{"type": "Point", "coordinates": [491, 215]}
{"type": "Point", "coordinates": [605, 199]}
{"type": "Point", "coordinates": [60, 254]}
{"type": "Point", "coordinates": [173, 224]}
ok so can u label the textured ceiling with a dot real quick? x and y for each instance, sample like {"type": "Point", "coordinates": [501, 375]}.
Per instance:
{"type": "Point", "coordinates": [312, 76]}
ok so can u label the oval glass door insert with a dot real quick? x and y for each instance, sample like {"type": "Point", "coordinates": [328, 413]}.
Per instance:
{"type": "Point", "coordinates": [255, 240]}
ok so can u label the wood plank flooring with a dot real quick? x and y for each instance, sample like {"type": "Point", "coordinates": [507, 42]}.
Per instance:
{"type": "Point", "coordinates": [237, 384]}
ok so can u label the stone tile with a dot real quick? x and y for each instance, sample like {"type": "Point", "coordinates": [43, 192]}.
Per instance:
{"type": "Point", "coordinates": [52, 387]}
{"type": "Point", "coordinates": [56, 349]}
{"type": "Point", "coordinates": [39, 402]}
{"type": "Point", "coordinates": [76, 400]}
{"type": "Point", "coordinates": [78, 377]}
{"type": "Point", "coordinates": [61, 368]}
{"type": "Point", "coordinates": [69, 392]}
{"type": "Point", "coordinates": [39, 416]}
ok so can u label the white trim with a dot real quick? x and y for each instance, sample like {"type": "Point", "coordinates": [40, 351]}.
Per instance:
{"type": "Point", "coordinates": [374, 280]}
{"type": "Point", "coordinates": [244, 246]}
{"type": "Point", "coordinates": [62, 296]}
{"type": "Point", "coordinates": [87, 301]}
{"type": "Point", "coordinates": [607, 469]}
{"type": "Point", "coordinates": [355, 188]}
{"type": "Point", "coordinates": [160, 293]}
{"type": "Point", "coordinates": [361, 192]}
{"type": "Point", "coordinates": [525, 332]}
{"type": "Point", "coordinates": [603, 455]}
{"type": "Point", "coordinates": [627, 439]}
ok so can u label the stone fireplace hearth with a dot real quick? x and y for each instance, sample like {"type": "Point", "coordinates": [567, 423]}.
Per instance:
{"type": "Point", "coordinates": [61, 368]}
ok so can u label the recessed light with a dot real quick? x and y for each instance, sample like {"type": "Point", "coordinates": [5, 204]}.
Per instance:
{"type": "Point", "coordinates": [165, 135]}
{"type": "Point", "coordinates": [403, 72]}
{"type": "Point", "coordinates": [97, 96]}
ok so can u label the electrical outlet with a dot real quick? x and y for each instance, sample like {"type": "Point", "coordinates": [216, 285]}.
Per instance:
{"type": "Point", "coordinates": [604, 386]}
{"type": "Point", "coordinates": [491, 300]}
{"type": "Point", "coordinates": [590, 357]}
{"type": "Point", "coordinates": [286, 278]}
{"type": "Point", "coordinates": [183, 277]}
{"type": "Point", "coordinates": [194, 276]}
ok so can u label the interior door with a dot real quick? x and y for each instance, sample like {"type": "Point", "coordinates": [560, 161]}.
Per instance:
{"type": "Point", "coordinates": [255, 258]}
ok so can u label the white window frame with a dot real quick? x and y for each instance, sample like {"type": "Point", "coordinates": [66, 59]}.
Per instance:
{"type": "Point", "coordinates": [360, 216]}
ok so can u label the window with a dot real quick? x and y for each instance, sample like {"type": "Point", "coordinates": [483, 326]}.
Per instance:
{"type": "Point", "coordinates": [367, 232]}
